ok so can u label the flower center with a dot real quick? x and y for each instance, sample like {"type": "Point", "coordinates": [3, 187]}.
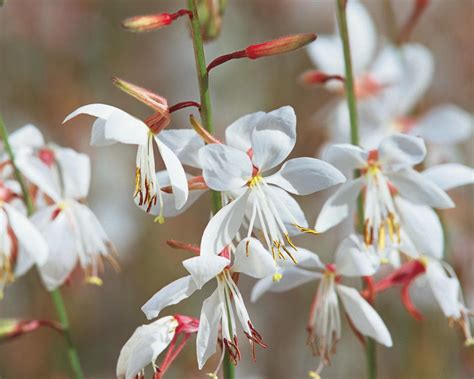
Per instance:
{"type": "Point", "coordinates": [257, 179]}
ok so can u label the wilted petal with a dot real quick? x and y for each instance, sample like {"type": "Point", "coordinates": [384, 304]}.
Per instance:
{"type": "Point", "coordinates": [303, 176]}
{"type": "Point", "coordinates": [365, 319]}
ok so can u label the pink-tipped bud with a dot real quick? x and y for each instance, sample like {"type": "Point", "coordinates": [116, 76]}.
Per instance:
{"type": "Point", "coordinates": [314, 77]}
{"type": "Point", "coordinates": [279, 46]}
{"type": "Point", "coordinates": [150, 22]}
{"type": "Point", "coordinates": [12, 328]}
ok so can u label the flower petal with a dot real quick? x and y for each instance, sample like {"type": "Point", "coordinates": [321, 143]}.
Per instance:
{"type": "Point", "coordinates": [224, 226]}
{"type": "Point", "coordinates": [401, 150]}
{"type": "Point", "coordinates": [205, 267]}
{"type": "Point", "coordinates": [273, 138]}
{"type": "Point", "coordinates": [27, 136]}
{"type": "Point", "coordinates": [171, 294]}
{"type": "Point", "coordinates": [450, 175]}
{"type": "Point", "coordinates": [339, 205]}
{"type": "Point", "coordinates": [354, 259]}
{"type": "Point", "coordinates": [206, 339]}
{"type": "Point", "coordinates": [75, 173]}
{"type": "Point", "coordinates": [387, 68]}
{"type": "Point", "coordinates": [252, 259]}
{"type": "Point", "coordinates": [176, 173]}
{"type": "Point", "coordinates": [292, 277]}
{"type": "Point", "coordinates": [445, 124]}
{"type": "Point", "coordinates": [185, 143]}
{"type": "Point", "coordinates": [303, 176]}
{"type": "Point", "coordinates": [416, 188]}
{"type": "Point", "coordinates": [365, 319]}
{"type": "Point", "coordinates": [346, 157]}
{"type": "Point", "coordinates": [445, 289]}
{"type": "Point", "coordinates": [239, 133]}
{"type": "Point", "coordinates": [225, 168]}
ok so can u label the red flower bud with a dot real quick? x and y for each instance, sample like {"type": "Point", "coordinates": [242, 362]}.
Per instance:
{"type": "Point", "coordinates": [152, 21]}
{"type": "Point", "coordinates": [279, 46]}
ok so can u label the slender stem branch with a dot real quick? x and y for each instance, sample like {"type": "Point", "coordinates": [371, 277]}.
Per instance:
{"type": "Point", "coordinates": [55, 295]}
{"type": "Point", "coordinates": [352, 105]}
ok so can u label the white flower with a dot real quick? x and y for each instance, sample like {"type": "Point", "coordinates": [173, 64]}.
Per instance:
{"type": "Point", "coordinates": [69, 227]}
{"type": "Point", "coordinates": [114, 125]}
{"type": "Point", "coordinates": [384, 172]}
{"type": "Point", "coordinates": [225, 308]}
{"type": "Point", "coordinates": [264, 140]}
{"type": "Point", "coordinates": [353, 259]}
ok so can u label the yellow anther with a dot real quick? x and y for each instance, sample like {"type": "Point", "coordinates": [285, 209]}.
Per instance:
{"type": "Point", "coordinates": [287, 238]}
{"type": "Point", "coordinates": [313, 375]}
{"type": "Point", "coordinates": [257, 179]}
{"type": "Point", "coordinates": [159, 219]}
{"type": "Point", "coordinates": [138, 177]}
{"type": "Point", "coordinates": [62, 205]}
{"type": "Point", "coordinates": [469, 342]}
{"type": "Point", "coordinates": [305, 230]}
{"type": "Point", "coordinates": [424, 261]}
{"type": "Point", "coordinates": [212, 375]}
{"type": "Point", "coordinates": [384, 261]}
{"type": "Point", "coordinates": [277, 277]}
{"type": "Point", "coordinates": [381, 241]}
{"type": "Point", "coordinates": [95, 280]}
{"type": "Point", "coordinates": [373, 169]}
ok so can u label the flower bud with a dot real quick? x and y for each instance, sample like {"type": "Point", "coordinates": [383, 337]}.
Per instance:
{"type": "Point", "coordinates": [150, 22]}
{"type": "Point", "coordinates": [11, 328]}
{"type": "Point", "coordinates": [279, 46]}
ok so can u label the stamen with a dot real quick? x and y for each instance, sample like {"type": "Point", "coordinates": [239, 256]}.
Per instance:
{"type": "Point", "coordinates": [305, 230]}
{"type": "Point", "coordinates": [95, 280]}
{"type": "Point", "coordinates": [257, 179]}
{"type": "Point", "coordinates": [287, 238]}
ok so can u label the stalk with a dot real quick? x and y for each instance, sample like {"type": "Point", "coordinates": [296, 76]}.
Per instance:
{"type": "Point", "coordinates": [206, 119]}
{"type": "Point", "coordinates": [56, 294]}
{"type": "Point", "coordinates": [370, 351]}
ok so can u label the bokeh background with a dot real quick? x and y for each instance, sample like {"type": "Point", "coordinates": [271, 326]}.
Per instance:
{"type": "Point", "coordinates": [56, 55]}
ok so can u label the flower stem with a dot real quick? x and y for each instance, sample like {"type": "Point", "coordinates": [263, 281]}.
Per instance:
{"type": "Point", "coordinates": [370, 350]}
{"type": "Point", "coordinates": [55, 295]}
{"type": "Point", "coordinates": [206, 119]}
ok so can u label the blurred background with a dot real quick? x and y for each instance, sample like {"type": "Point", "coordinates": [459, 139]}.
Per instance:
{"type": "Point", "coordinates": [56, 55]}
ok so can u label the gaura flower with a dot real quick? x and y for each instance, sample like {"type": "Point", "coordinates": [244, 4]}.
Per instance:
{"type": "Point", "coordinates": [71, 230]}
{"type": "Point", "coordinates": [264, 140]}
{"type": "Point", "coordinates": [353, 259]}
{"type": "Point", "coordinates": [221, 308]}
{"type": "Point", "coordinates": [114, 125]}
{"type": "Point", "coordinates": [21, 244]}
{"type": "Point", "coordinates": [384, 172]}
{"type": "Point", "coordinates": [149, 341]}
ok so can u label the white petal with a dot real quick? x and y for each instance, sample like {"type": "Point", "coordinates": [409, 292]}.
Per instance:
{"type": "Point", "coordinates": [416, 188]}
{"type": "Point", "coordinates": [339, 205]}
{"type": "Point", "coordinates": [239, 133]}
{"type": "Point", "coordinates": [223, 227]}
{"type": "Point", "coordinates": [306, 259]}
{"type": "Point", "coordinates": [274, 137]}
{"type": "Point", "coordinates": [346, 157]}
{"type": "Point", "coordinates": [205, 267]}
{"type": "Point", "coordinates": [225, 168]}
{"type": "Point", "coordinates": [423, 227]}
{"type": "Point", "coordinates": [444, 288]}
{"type": "Point", "coordinates": [185, 143]}
{"type": "Point", "coordinates": [206, 339]}
{"type": "Point", "coordinates": [326, 54]}
{"type": "Point", "coordinates": [450, 175]}
{"type": "Point", "coordinates": [75, 173]}
{"type": "Point", "coordinates": [29, 238]}
{"type": "Point", "coordinates": [98, 134]}
{"type": "Point", "coordinates": [171, 294]}
{"type": "Point", "coordinates": [353, 259]}
{"type": "Point", "coordinates": [176, 173]}
{"type": "Point", "coordinates": [387, 69]}
{"type": "Point", "coordinates": [258, 263]}
{"type": "Point", "coordinates": [401, 150]}
{"type": "Point", "coordinates": [365, 319]}
{"type": "Point", "coordinates": [445, 124]}
{"type": "Point", "coordinates": [28, 135]}
{"type": "Point", "coordinates": [292, 277]}
{"type": "Point", "coordinates": [303, 176]}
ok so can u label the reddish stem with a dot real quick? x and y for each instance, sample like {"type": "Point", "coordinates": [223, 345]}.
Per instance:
{"type": "Point", "coordinates": [420, 6]}
{"type": "Point", "coordinates": [225, 58]}
{"type": "Point", "coordinates": [184, 104]}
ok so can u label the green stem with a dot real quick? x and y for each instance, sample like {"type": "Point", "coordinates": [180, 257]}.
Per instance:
{"type": "Point", "coordinates": [55, 295]}
{"type": "Point", "coordinates": [370, 350]}
{"type": "Point", "coordinates": [206, 119]}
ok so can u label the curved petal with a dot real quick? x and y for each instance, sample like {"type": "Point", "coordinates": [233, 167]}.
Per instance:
{"type": "Point", "coordinates": [305, 258]}
{"type": "Point", "coordinates": [252, 259]}
{"type": "Point", "coordinates": [292, 277]}
{"type": "Point", "coordinates": [225, 168]}
{"type": "Point", "coordinates": [176, 173]}
{"type": "Point", "coordinates": [273, 138]}
{"type": "Point", "coordinates": [75, 172]}
{"type": "Point", "coordinates": [171, 294]}
{"type": "Point", "coordinates": [416, 188]}
{"type": "Point", "coordinates": [339, 205]}
{"type": "Point", "coordinates": [206, 340]}
{"type": "Point", "coordinates": [223, 227]}
{"type": "Point", "coordinates": [239, 133]}
{"type": "Point", "coordinates": [185, 143]}
{"type": "Point", "coordinates": [303, 176]}
{"type": "Point", "coordinates": [423, 227]}
{"type": "Point", "coordinates": [450, 175]}
{"type": "Point", "coordinates": [445, 289]}
{"type": "Point", "coordinates": [445, 124]}
{"type": "Point", "coordinates": [346, 157]}
{"type": "Point", "coordinates": [326, 54]}
{"type": "Point", "coordinates": [401, 150]}
{"type": "Point", "coordinates": [387, 68]}
{"type": "Point", "coordinates": [365, 319]}
{"type": "Point", "coordinates": [354, 259]}
{"type": "Point", "coordinates": [205, 267]}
